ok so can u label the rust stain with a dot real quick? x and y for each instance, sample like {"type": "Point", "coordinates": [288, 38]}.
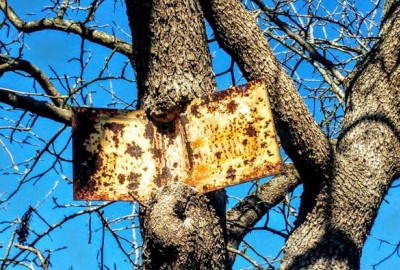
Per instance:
{"type": "Point", "coordinates": [116, 130]}
{"type": "Point", "coordinates": [199, 173]}
{"type": "Point", "coordinates": [133, 184]}
{"type": "Point", "coordinates": [195, 110]}
{"type": "Point", "coordinates": [231, 173]}
{"type": "Point", "coordinates": [251, 130]}
{"type": "Point", "coordinates": [232, 106]}
{"type": "Point", "coordinates": [121, 178]}
{"type": "Point", "coordinates": [219, 96]}
{"type": "Point", "coordinates": [134, 150]}
{"type": "Point", "coordinates": [133, 177]}
{"type": "Point", "coordinates": [219, 140]}
{"type": "Point", "coordinates": [165, 173]}
{"type": "Point", "coordinates": [157, 153]}
{"type": "Point", "coordinates": [149, 131]}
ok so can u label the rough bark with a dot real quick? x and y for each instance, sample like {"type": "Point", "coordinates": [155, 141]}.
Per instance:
{"type": "Point", "coordinates": [181, 229]}
{"type": "Point", "coordinates": [366, 162]}
{"type": "Point", "coordinates": [301, 138]}
{"type": "Point", "coordinates": [172, 59]}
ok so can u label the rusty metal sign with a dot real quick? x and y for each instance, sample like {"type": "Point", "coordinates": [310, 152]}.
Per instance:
{"type": "Point", "coordinates": [220, 140]}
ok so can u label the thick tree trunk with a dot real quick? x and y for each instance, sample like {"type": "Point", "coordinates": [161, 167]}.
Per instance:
{"type": "Point", "coordinates": [181, 229]}
{"type": "Point", "coordinates": [367, 160]}
{"type": "Point", "coordinates": [172, 59]}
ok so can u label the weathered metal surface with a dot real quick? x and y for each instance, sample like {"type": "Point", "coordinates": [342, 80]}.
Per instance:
{"type": "Point", "coordinates": [220, 140]}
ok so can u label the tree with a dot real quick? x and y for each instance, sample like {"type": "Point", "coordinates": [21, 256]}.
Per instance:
{"type": "Point", "coordinates": [346, 163]}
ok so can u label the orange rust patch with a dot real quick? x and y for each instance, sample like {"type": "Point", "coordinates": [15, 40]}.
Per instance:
{"type": "Point", "coordinates": [198, 143]}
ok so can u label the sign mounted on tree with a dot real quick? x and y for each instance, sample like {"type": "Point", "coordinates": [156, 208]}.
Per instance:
{"type": "Point", "coordinates": [220, 140]}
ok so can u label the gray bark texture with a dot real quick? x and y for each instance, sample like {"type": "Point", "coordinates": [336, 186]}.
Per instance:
{"type": "Point", "coordinates": [181, 231]}
{"type": "Point", "coordinates": [366, 161]}
{"type": "Point", "coordinates": [171, 56]}
{"type": "Point", "coordinates": [344, 183]}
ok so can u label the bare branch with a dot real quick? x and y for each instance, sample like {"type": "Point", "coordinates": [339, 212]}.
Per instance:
{"type": "Point", "coordinates": [12, 64]}
{"type": "Point", "coordinates": [35, 251]}
{"type": "Point", "coordinates": [67, 26]}
{"type": "Point", "coordinates": [9, 155]}
{"type": "Point", "coordinates": [314, 54]}
{"type": "Point", "coordinates": [243, 255]}
{"type": "Point", "coordinates": [61, 222]}
{"type": "Point", "coordinates": [249, 211]}
{"type": "Point", "coordinates": [106, 225]}
{"type": "Point", "coordinates": [40, 108]}
{"type": "Point", "coordinates": [323, 71]}
{"type": "Point", "coordinates": [9, 246]}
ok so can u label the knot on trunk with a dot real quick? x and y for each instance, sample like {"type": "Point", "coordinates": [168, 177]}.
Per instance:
{"type": "Point", "coordinates": [181, 229]}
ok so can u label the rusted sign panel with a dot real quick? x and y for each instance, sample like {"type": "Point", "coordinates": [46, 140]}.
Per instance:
{"type": "Point", "coordinates": [220, 140]}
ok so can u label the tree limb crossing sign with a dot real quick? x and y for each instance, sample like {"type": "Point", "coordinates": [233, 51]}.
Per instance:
{"type": "Point", "coordinates": [220, 140]}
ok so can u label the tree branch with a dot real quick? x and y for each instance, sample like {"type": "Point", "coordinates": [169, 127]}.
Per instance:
{"type": "Point", "coordinates": [60, 223]}
{"type": "Point", "coordinates": [12, 64]}
{"type": "Point", "coordinates": [314, 54]}
{"type": "Point", "coordinates": [35, 251]}
{"type": "Point", "coordinates": [302, 139]}
{"type": "Point", "coordinates": [40, 108]}
{"type": "Point", "coordinates": [323, 71]}
{"type": "Point", "coordinates": [67, 26]}
{"type": "Point", "coordinates": [250, 210]}
{"type": "Point", "coordinates": [246, 257]}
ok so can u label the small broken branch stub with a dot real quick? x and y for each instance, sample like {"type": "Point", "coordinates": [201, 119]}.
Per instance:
{"type": "Point", "coordinates": [220, 140]}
